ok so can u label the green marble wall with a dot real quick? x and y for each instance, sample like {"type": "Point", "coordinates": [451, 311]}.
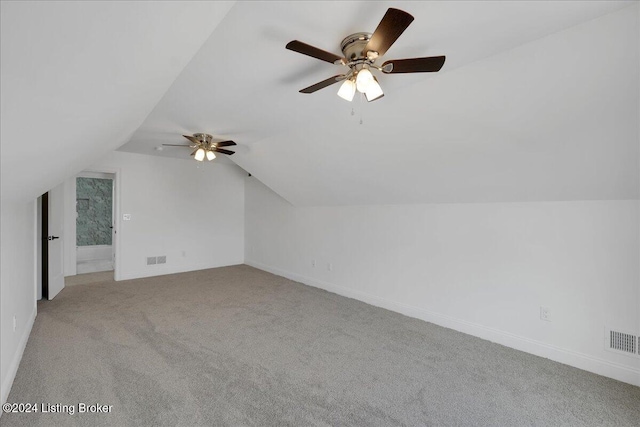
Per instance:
{"type": "Point", "coordinates": [94, 206]}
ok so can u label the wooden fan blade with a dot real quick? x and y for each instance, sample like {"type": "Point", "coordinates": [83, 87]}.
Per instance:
{"type": "Point", "coordinates": [175, 145]}
{"type": "Point", "coordinates": [224, 143]}
{"type": "Point", "coordinates": [223, 151]}
{"type": "Point", "coordinates": [192, 139]}
{"type": "Point", "coordinates": [314, 52]}
{"type": "Point", "coordinates": [194, 152]}
{"type": "Point", "coordinates": [414, 65]}
{"type": "Point", "coordinates": [393, 24]}
{"type": "Point", "coordinates": [324, 83]}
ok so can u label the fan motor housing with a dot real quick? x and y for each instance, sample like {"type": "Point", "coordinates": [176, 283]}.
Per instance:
{"type": "Point", "coordinates": [353, 45]}
{"type": "Point", "coordinates": [203, 137]}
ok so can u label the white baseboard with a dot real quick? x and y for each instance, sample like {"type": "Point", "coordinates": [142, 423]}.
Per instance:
{"type": "Point", "coordinates": [568, 357]}
{"type": "Point", "coordinates": [94, 266]}
{"type": "Point", "coordinates": [17, 357]}
{"type": "Point", "coordinates": [164, 269]}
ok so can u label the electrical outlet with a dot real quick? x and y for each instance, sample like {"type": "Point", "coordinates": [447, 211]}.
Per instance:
{"type": "Point", "coordinates": [184, 254]}
{"type": "Point", "coordinates": [313, 263]}
{"type": "Point", "coordinates": [545, 314]}
{"type": "Point", "coordinates": [15, 323]}
{"type": "Point", "coordinates": [330, 267]}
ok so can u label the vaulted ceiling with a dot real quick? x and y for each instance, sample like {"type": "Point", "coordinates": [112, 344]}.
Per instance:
{"type": "Point", "coordinates": [78, 78]}
{"type": "Point", "coordinates": [536, 101]}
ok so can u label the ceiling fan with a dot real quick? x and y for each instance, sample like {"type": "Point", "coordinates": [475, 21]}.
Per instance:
{"type": "Point", "coordinates": [361, 50]}
{"type": "Point", "coordinates": [204, 146]}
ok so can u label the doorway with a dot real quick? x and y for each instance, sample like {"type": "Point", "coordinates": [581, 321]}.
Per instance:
{"type": "Point", "coordinates": [60, 262]}
{"type": "Point", "coordinates": [95, 219]}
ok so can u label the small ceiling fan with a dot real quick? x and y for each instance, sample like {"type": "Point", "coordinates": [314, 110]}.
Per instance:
{"type": "Point", "coordinates": [204, 146]}
{"type": "Point", "coordinates": [361, 50]}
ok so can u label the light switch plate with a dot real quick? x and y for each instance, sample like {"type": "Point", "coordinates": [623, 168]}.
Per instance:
{"type": "Point", "coordinates": [126, 217]}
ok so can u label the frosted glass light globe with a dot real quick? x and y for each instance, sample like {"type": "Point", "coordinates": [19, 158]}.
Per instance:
{"type": "Point", "coordinates": [347, 90]}
{"type": "Point", "coordinates": [363, 80]}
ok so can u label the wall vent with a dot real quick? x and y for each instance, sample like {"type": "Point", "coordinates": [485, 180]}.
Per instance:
{"type": "Point", "coordinates": [162, 259]}
{"type": "Point", "coordinates": [151, 260]}
{"type": "Point", "coordinates": [622, 342]}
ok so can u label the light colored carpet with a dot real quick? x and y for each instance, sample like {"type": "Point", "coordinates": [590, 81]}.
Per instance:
{"type": "Point", "coordinates": [238, 346]}
{"type": "Point", "coordinates": [83, 279]}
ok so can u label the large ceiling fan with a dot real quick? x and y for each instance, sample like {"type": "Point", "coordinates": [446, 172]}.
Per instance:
{"type": "Point", "coordinates": [203, 146]}
{"type": "Point", "coordinates": [361, 50]}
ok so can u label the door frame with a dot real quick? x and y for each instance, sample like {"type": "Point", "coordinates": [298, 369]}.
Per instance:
{"type": "Point", "coordinates": [116, 211]}
{"type": "Point", "coordinates": [44, 249]}
{"type": "Point", "coordinates": [55, 224]}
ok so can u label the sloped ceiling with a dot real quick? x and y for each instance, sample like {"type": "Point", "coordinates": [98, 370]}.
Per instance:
{"type": "Point", "coordinates": [78, 78]}
{"type": "Point", "coordinates": [537, 101]}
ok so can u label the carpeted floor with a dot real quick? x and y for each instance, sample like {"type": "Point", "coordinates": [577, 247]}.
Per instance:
{"type": "Point", "coordinates": [84, 279]}
{"type": "Point", "coordinates": [238, 346]}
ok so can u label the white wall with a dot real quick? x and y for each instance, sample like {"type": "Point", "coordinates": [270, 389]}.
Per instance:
{"type": "Point", "coordinates": [17, 286]}
{"type": "Point", "coordinates": [484, 269]}
{"type": "Point", "coordinates": [191, 212]}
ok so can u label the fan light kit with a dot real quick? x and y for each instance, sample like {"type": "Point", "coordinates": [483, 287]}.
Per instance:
{"type": "Point", "coordinates": [205, 147]}
{"type": "Point", "coordinates": [361, 50]}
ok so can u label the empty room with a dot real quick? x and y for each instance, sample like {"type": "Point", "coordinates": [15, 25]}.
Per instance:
{"type": "Point", "coordinates": [320, 213]}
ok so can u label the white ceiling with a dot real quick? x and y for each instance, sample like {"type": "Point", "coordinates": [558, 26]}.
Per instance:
{"type": "Point", "coordinates": [78, 78]}
{"type": "Point", "coordinates": [514, 114]}
{"type": "Point", "coordinates": [537, 100]}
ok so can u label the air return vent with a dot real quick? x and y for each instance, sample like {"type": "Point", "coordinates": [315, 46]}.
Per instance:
{"type": "Point", "coordinates": [622, 342]}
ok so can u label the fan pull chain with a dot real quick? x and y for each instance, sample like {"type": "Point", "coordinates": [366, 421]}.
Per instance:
{"type": "Point", "coordinates": [360, 104]}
